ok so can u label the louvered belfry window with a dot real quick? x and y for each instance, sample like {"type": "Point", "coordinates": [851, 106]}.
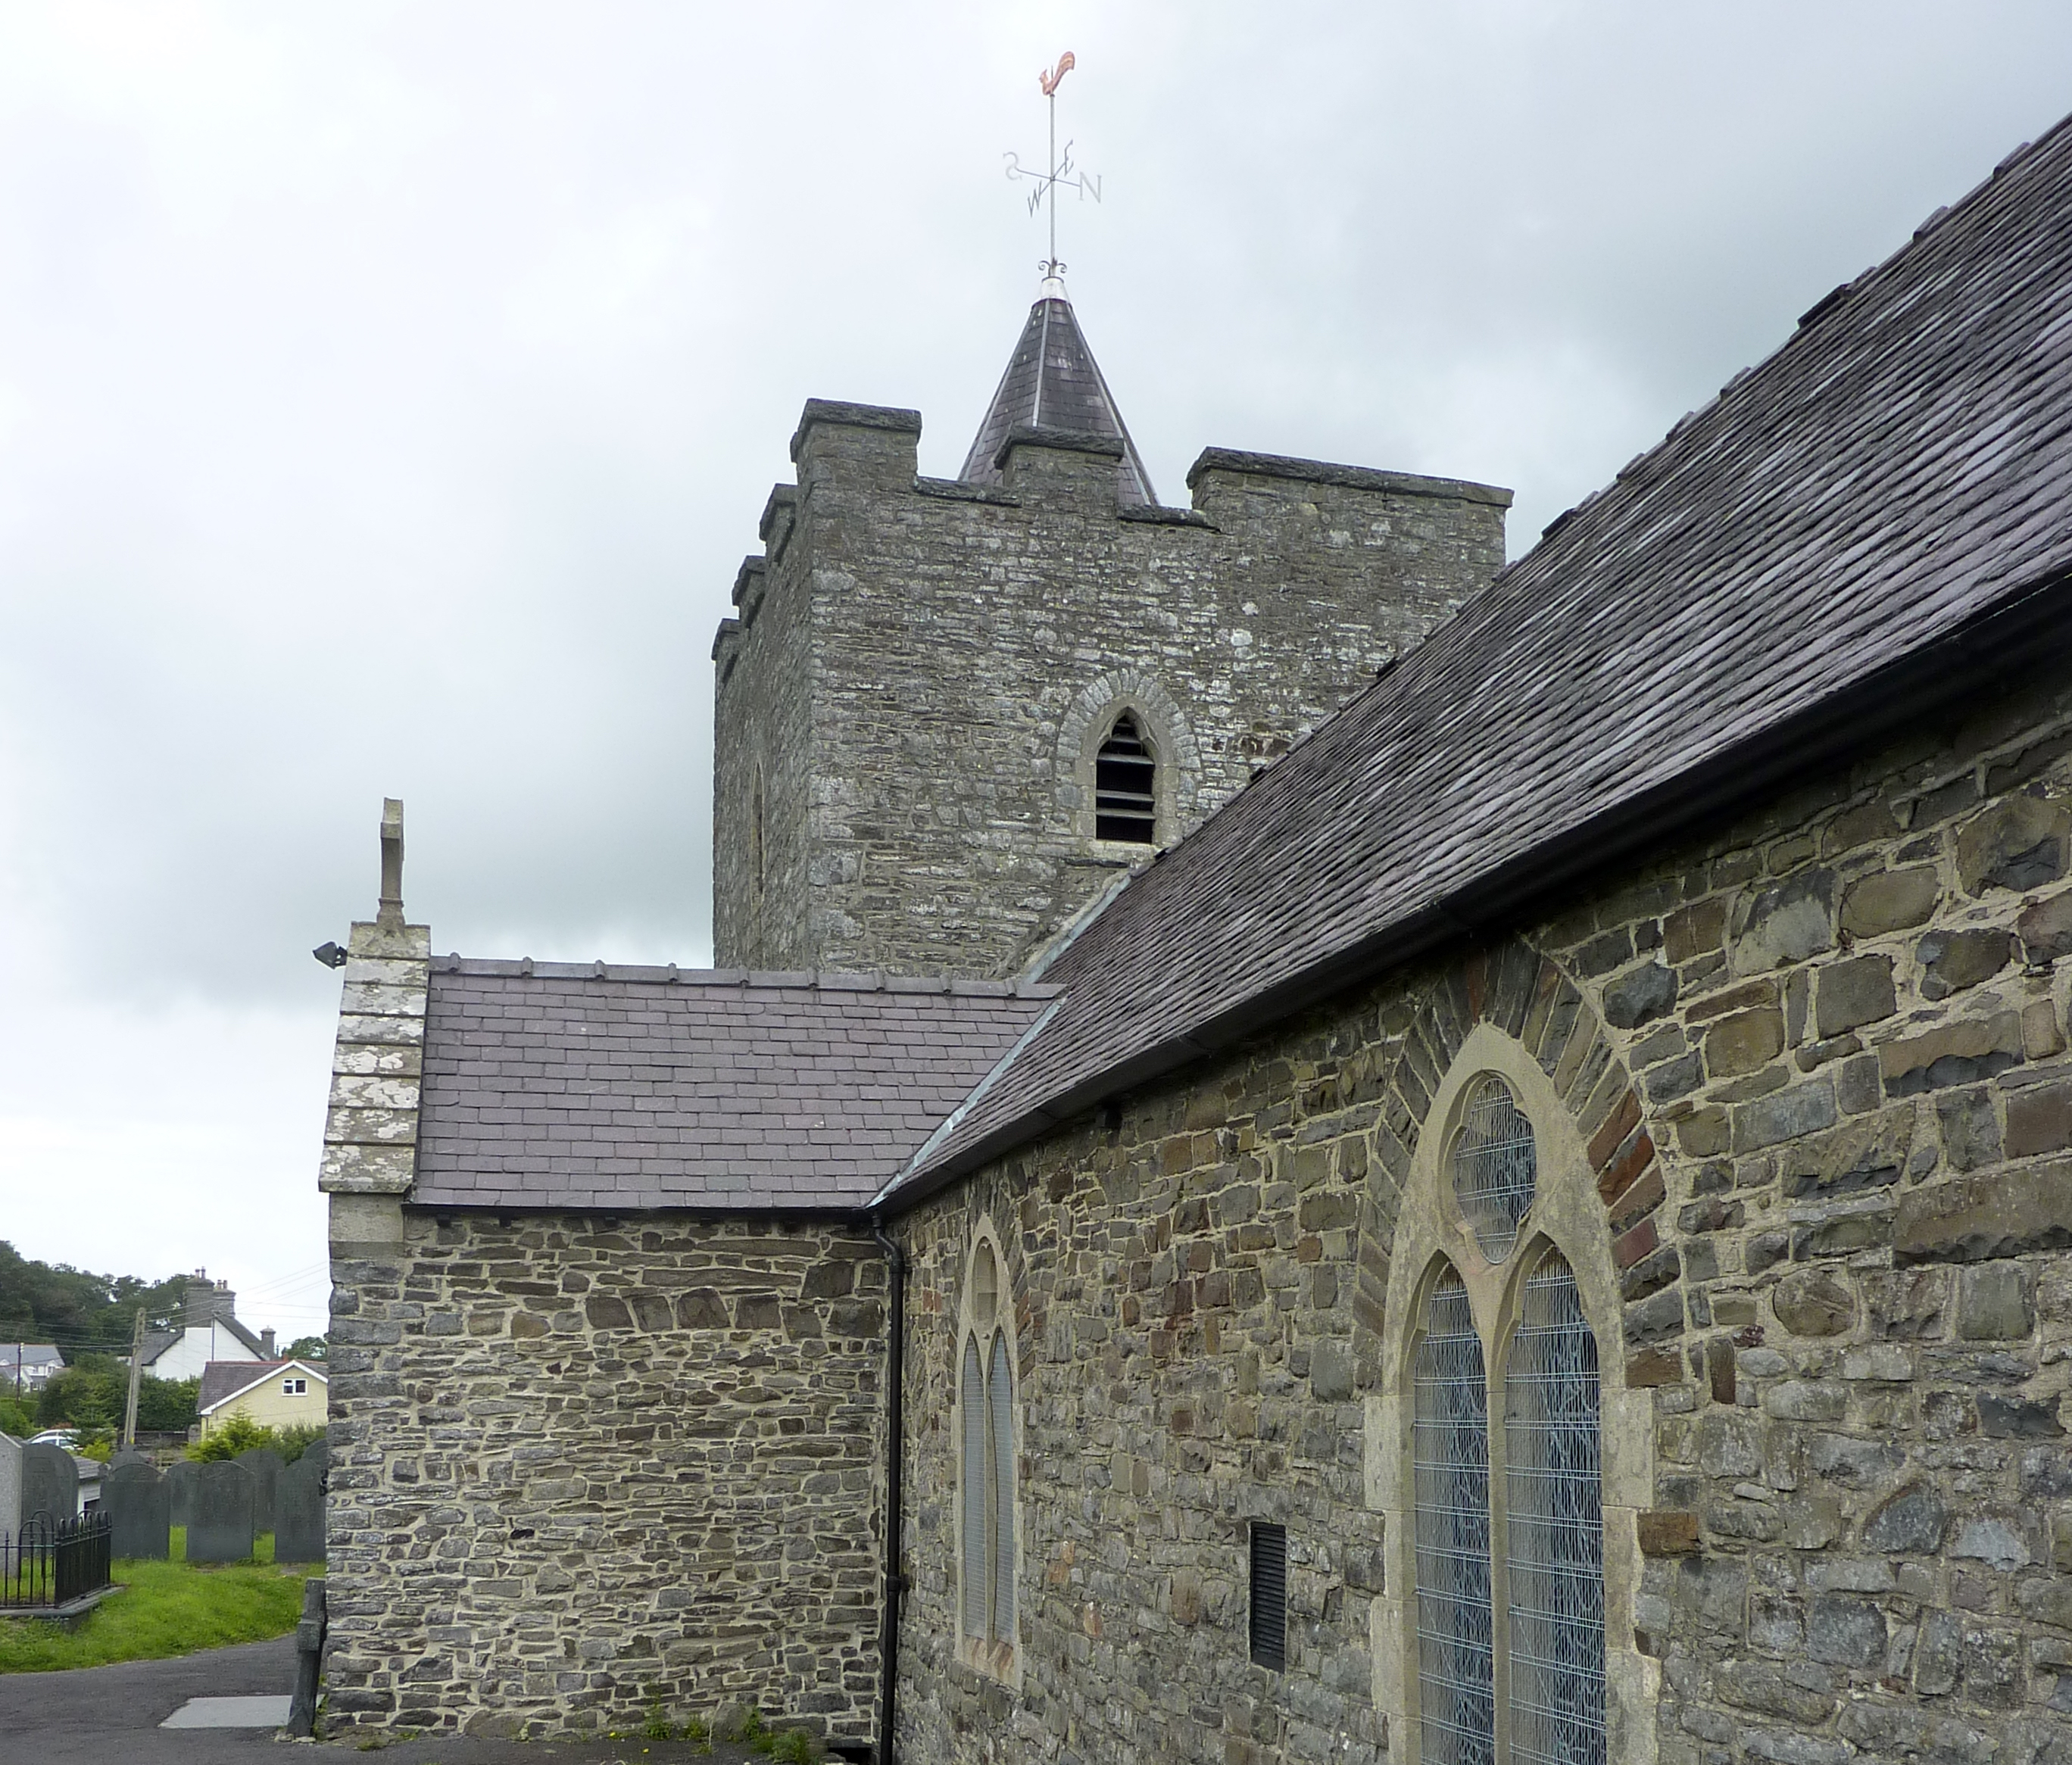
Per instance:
{"type": "Point", "coordinates": [1530, 1541]}
{"type": "Point", "coordinates": [986, 1398]}
{"type": "Point", "coordinates": [1125, 785]}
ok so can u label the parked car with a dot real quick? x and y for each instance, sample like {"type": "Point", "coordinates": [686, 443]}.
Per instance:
{"type": "Point", "coordinates": [67, 1437]}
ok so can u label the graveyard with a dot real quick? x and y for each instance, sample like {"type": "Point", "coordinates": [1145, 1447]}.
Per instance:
{"type": "Point", "coordinates": [205, 1554]}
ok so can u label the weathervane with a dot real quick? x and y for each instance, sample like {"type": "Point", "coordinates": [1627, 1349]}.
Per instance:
{"type": "Point", "coordinates": [1062, 171]}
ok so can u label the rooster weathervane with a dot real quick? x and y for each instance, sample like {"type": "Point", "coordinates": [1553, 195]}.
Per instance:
{"type": "Point", "coordinates": [1063, 172]}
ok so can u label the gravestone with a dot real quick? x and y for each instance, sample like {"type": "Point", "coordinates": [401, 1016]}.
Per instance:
{"type": "Point", "coordinates": [10, 1485]}
{"type": "Point", "coordinates": [319, 1449]}
{"type": "Point", "coordinates": [50, 1483]}
{"type": "Point", "coordinates": [298, 1512]}
{"type": "Point", "coordinates": [221, 1530]}
{"type": "Point", "coordinates": [180, 1484]}
{"type": "Point", "coordinates": [264, 1464]}
{"type": "Point", "coordinates": [140, 1511]}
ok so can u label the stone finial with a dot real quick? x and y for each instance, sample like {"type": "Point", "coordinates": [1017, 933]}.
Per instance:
{"type": "Point", "coordinates": [391, 913]}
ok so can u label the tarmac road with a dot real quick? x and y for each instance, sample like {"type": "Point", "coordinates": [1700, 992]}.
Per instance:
{"type": "Point", "coordinates": [110, 1716]}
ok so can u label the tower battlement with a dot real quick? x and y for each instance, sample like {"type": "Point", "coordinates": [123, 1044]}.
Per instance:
{"type": "Point", "coordinates": [949, 711]}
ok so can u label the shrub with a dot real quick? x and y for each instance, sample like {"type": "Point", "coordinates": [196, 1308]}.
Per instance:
{"type": "Point", "coordinates": [239, 1433]}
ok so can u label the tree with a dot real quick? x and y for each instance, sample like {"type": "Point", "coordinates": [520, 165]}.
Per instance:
{"type": "Point", "coordinates": [307, 1347]}
{"type": "Point", "coordinates": [81, 1312]}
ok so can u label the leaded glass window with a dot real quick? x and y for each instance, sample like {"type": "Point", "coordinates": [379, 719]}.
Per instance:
{"type": "Point", "coordinates": [1512, 1520]}
{"type": "Point", "coordinates": [1000, 1402]}
{"type": "Point", "coordinates": [1449, 1460]}
{"type": "Point", "coordinates": [1556, 1520]}
{"type": "Point", "coordinates": [1495, 1165]}
{"type": "Point", "coordinates": [986, 1613]}
{"type": "Point", "coordinates": [975, 1493]}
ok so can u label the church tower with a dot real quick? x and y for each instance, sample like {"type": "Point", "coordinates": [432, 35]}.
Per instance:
{"type": "Point", "coordinates": [950, 711]}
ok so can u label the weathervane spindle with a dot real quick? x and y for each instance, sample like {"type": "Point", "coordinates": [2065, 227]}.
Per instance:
{"type": "Point", "coordinates": [1059, 171]}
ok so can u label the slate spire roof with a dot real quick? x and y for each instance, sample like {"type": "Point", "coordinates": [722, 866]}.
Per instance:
{"type": "Point", "coordinates": [1874, 518]}
{"type": "Point", "coordinates": [1053, 382]}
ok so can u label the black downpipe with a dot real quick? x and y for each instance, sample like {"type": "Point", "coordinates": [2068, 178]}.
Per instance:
{"type": "Point", "coordinates": [895, 1583]}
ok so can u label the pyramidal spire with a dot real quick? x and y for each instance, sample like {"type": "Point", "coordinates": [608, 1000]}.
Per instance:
{"type": "Point", "coordinates": [1053, 382]}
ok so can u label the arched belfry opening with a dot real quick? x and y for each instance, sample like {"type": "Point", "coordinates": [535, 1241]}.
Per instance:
{"type": "Point", "coordinates": [1126, 785]}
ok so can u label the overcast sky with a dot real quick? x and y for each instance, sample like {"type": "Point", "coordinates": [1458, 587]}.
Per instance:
{"type": "Point", "coordinates": [389, 392]}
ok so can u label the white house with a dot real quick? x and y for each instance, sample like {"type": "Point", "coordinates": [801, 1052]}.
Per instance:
{"type": "Point", "coordinates": [209, 1331]}
{"type": "Point", "coordinates": [28, 1366]}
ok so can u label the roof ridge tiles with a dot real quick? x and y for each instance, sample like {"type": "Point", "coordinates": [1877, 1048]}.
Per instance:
{"type": "Point", "coordinates": [829, 980]}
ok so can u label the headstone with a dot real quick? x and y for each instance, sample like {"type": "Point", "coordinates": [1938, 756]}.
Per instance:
{"type": "Point", "coordinates": [139, 1503]}
{"type": "Point", "coordinates": [221, 1528]}
{"type": "Point", "coordinates": [50, 1483]}
{"type": "Point", "coordinates": [298, 1512]}
{"type": "Point", "coordinates": [10, 1485]}
{"type": "Point", "coordinates": [319, 1449]}
{"type": "Point", "coordinates": [180, 1482]}
{"type": "Point", "coordinates": [264, 1463]}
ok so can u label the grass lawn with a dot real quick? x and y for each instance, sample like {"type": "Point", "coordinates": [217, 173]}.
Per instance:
{"type": "Point", "coordinates": [166, 1608]}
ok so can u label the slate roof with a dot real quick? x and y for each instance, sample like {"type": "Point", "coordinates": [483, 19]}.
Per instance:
{"type": "Point", "coordinates": [222, 1379]}
{"type": "Point", "coordinates": [1898, 472]}
{"type": "Point", "coordinates": [1053, 382]}
{"type": "Point", "coordinates": [566, 1086]}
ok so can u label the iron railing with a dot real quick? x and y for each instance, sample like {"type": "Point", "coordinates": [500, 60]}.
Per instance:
{"type": "Point", "coordinates": [51, 1563]}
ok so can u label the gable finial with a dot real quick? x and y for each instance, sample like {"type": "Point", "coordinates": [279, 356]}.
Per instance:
{"type": "Point", "coordinates": [391, 913]}
{"type": "Point", "coordinates": [1059, 172]}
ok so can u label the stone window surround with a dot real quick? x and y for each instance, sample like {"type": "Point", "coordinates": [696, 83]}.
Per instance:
{"type": "Point", "coordinates": [1567, 1217]}
{"type": "Point", "coordinates": [995, 1661]}
{"type": "Point", "coordinates": [1165, 730]}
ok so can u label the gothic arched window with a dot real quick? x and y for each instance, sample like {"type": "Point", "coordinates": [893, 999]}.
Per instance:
{"type": "Point", "coordinates": [1126, 785]}
{"type": "Point", "coordinates": [1507, 1504]}
{"type": "Point", "coordinates": [985, 1399]}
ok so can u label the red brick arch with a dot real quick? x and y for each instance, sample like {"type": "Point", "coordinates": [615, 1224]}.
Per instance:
{"type": "Point", "coordinates": [1528, 997]}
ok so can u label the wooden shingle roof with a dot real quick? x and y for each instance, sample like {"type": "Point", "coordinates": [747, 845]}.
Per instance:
{"type": "Point", "coordinates": [1892, 482]}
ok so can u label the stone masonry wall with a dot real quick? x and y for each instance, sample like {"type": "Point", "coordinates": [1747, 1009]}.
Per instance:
{"type": "Point", "coordinates": [959, 650]}
{"type": "Point", "coordinates": [1819, 1066]}
{"type": "Point", "coordinates": [579, 1464]}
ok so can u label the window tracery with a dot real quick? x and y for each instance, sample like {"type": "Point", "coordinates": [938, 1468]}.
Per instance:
{"type": "Point", "coordinates": [986, 1475]}
{"type": "Point", "coordinates": [1501, 1489]}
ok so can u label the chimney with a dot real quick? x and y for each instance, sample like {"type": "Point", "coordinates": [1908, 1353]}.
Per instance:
{"type": "Point", "coordinates": [198, 1301]}
{"type": "Point", "coordinates": [266, 1345]}
{"type": "Point", "coordinates": [226, 1302]}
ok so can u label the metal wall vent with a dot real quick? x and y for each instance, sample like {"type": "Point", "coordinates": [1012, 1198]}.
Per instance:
{"type": "Point", "coordinates": [1125, 786]}
{"type": "Point", "coordinates": [1269, 1595]}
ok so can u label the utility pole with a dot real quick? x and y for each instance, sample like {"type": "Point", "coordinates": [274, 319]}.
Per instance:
{"type": "Point", "coordinates": [136, 1374]}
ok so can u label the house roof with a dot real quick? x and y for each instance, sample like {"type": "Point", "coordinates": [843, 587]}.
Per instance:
{"type": "Point", "coordinates": [156, 1342]}
{"type": "Point", "coordinates": [223, 1380]}
{"type": "Point", "coordinates": [28, 1354]}
{"type": "Point", "coordinates": [1840, 517]}
{"type": "Point", "coordinates": [1053, 382]}
{"type": "Point", "coordinates": [596, 1085]}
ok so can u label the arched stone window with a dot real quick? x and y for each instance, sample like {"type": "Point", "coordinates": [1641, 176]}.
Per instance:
{"type": "Point", "coordinates": [1126, 763]}
{"type": "Point", "coordinates": [1126, 785]}
{"type": "Point", "coordinates": [987, 1517]}
{"type": "Point", "coordinates": [1489, 1453]}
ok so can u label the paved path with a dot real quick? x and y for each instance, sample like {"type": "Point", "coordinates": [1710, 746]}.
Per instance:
{"type": "Point", "coordinates": [110, 1716]}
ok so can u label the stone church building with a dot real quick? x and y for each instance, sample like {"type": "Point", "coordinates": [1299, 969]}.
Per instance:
{"type": "Point", "coordinates": [1306, 1146]}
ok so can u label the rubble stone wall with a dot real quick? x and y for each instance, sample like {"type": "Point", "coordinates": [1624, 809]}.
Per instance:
{"type": "Point", "coordinates": [920, 669]}
{"type": "Point", "coordinates": [1817, 1067]}
{"type": "Point", "coordinates": [580, 1466]}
